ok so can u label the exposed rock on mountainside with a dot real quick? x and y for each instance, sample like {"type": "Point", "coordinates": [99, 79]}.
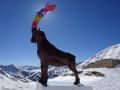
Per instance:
{"type": "Point", "coordinates": [107, 58]}
{"type": "Point", "coordinates": [105, 63]}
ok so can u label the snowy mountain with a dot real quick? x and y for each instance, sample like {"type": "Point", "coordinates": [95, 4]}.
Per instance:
{"type": "Point", "coordinates": [30, 73]}
{"type": "Point", "coordinates": [2, 72]}
{"type": "Point", "coordinates": [111, 53]}
{"type": "Point", "coordinates": [24, 77]}
{"type": "Point", "coordinates": [10, 68]}
{"type": "Point", "coordinates": [27, 67]}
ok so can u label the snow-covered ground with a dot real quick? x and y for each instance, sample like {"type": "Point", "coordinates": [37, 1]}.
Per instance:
{"type": "Point", "coordinates": [111, 81]}
{"type": "Point", "coordinates": [7, 84]}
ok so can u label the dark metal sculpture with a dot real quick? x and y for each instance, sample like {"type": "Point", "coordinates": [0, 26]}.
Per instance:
{"type": "Point", "coordinates": [50, 55]}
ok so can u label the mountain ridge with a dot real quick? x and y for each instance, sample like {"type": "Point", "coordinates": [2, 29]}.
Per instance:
{"type": "Point", "coordinates": [110, 53]}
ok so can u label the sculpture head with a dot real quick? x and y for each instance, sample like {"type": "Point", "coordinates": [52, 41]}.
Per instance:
{"type": "Point", "coordinates": [37, 35]}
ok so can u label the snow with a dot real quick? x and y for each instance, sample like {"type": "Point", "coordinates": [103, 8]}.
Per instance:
{"type": "Point", "coordinates": [117, 66]}
{"type": "Point", "coordinates": [8, 84]}
{"type": "Point", "coordinates": [111, 81]}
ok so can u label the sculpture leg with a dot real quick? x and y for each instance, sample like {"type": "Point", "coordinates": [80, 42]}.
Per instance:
{"type": "Point", "coordinates": [73, 68]}
{"type": "Point", "coordinates": [42, 73]}
{"type": "Point", "coordinates": [45, 74]}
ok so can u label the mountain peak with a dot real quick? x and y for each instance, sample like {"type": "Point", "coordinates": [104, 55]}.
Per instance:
{"type": "Point", "coordinates": [112, 53]}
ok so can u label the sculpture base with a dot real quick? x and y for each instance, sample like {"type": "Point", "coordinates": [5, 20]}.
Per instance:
{"type": "Point", "coordinates": [41, 87]}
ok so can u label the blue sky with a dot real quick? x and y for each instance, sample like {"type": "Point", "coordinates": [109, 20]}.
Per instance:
{"type": "Point", "coordinates": [80, 27]}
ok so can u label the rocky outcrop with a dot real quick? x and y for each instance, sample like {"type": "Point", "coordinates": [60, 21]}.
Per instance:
{"type": "Point", "coordinates": [104, 63]}
{"type": "Point", "coordinates": [94, 73]}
